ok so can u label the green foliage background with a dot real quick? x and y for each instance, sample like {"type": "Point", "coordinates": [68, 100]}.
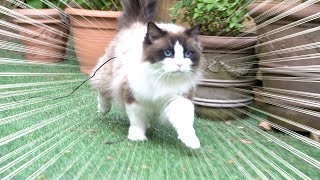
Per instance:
{"type": "Point", "coordinates": [217, 17]}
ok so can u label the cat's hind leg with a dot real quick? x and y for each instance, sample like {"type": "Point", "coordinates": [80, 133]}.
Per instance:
{"type": "Point", "coordinates": [104, 103]}
{"type": "Point", "coordinates": [180, 113]}
{"type": "Point", "coordinates": [138, 122]}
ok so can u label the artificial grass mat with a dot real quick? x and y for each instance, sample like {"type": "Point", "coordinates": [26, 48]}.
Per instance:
{"type": "Point", "coordinates": [66, 138]}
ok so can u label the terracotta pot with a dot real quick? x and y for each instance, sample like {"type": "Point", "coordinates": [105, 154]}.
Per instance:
{"type": "Point", "coordinates": [53, 46]}
{"type": "Point", "coordinates": [226, 71]}
{"type": "Point", "coordinates": [284, 71]}
{"type": "Point", "coordinates": [92, 31]}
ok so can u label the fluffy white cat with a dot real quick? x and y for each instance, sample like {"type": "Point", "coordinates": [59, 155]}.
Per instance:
{"type": "Point", "coordinates": [154, 72]}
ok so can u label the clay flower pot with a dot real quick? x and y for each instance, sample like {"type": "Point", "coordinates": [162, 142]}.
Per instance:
{"type": "Point", "coordinates": [53, 41]}
{"type": "Point", "coordinates": [287, 75]}
{"type": "Point", "coordinates": [226, 70]}
{"type": "Point", "coordinates": [92, 31]}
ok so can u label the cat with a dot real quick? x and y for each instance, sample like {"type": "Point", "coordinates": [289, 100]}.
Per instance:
{"type": "Point", "coordinates": [154, 72]}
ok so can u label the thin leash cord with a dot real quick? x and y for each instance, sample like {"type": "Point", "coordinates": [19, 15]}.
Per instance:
{"type": "Point", "coordinates": [73, 91]}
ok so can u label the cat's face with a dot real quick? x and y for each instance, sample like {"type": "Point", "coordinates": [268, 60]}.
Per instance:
{"type": "Point", "coordinates": [174, 53]}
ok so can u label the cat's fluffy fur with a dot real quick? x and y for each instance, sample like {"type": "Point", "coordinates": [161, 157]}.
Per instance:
{"type": "Point", "coordinates": [154, 73]}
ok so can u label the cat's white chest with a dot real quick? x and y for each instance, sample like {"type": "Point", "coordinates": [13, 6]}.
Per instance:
{"type": "Point", "coordinates": [147, 87]}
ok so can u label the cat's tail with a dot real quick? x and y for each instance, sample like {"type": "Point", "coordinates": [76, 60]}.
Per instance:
{"type": "Point", "coordinates": [142, 11]}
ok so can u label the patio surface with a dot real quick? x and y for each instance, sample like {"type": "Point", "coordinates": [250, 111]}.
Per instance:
{"type": "Point", "coordinates": [66, 138]}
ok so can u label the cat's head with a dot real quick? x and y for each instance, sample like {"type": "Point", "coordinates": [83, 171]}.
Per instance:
{"type": "Point", "coordinates": [172, 49]}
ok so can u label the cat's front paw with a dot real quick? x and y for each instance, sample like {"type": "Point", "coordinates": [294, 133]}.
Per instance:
{"type": "Point", "coordinates": [137, 134]}
{"type": "Point", "coordinates": [190, 141]}
{"type": "Point", "coordinates": [136, 137]}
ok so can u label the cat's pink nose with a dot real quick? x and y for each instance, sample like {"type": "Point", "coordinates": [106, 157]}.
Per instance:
{"type": "Point", "coordinates": [179, 65]}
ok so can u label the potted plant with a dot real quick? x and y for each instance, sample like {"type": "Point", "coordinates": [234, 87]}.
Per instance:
{"type": "Point", "coordinates": [288, 58]}
{"type": "Point", "coordinates": [228, 62]}
{"type": "Point", "coordinates": [93, 25]}
{"type": "Point", "coordinates": [47, 28]}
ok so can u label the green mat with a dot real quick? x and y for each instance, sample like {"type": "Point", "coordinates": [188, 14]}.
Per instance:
{"type": "Point", "coordinates": [66, 138]}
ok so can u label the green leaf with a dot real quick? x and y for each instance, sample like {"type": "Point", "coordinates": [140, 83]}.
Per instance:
{"type": "Point", "coordinates": [81, 3]}
{"type": "Point", "coordinates": [211, 28]}
{"type": "Point", "coordinates": [216, 16]}
{"type": "Point", "coordinates": [209, 1]}
{"type": "Point", "coordinates": [220, 7]}
{"type": "Point", "coordinates": [195, 15]}
{"type": "Point", "coordinates": [234, 19]}
{"type": "Point", "coordinates": [242, 13]}
{"type": "Point", "coordinates": [184, 19]}
{"type": "Point", "coordinates": [37, 4]}
{"type": "Point", "coordinates": [229, 12]}
{"type": "Point", "coordinates": [232, 25]}
{"type": "Point", "coordinates": [199, 6]}
{"type": "Point", "coordinates": [207, 16]}
{"type": "Point", "coordinates": [209, 6]}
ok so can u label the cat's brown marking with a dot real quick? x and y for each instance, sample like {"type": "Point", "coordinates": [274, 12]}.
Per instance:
{"type": "Point", "coordinates": [126, 93]}
{"type": "Point", "coordinates": [103, 77]}
{"type": "Point", "coordinates": [189, 95]}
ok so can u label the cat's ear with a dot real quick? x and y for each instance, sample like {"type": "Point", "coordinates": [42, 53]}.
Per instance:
{"type": "Point", "coordinates": [154, 32]}
{"type": "Point", "coordinates": [194, 31]}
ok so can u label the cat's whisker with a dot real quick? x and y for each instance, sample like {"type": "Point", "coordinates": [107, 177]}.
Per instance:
{"type": "Point", "coordinates": [160, 76]}
{"type": "Point", "coordinates": [167, 77]}
{"type": "Point", "coordinates": [157, 71]}
{"type": "Point", "coordinates": [189, 76]}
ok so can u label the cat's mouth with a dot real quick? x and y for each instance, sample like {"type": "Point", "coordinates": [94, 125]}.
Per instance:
{"type": "Point", "coordinates": [178, 73]}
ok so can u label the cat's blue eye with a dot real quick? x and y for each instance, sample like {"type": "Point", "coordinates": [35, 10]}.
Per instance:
{"type": "Point", "coordinates": [187, 54]}
{"type": "Point", "coordinates": [168, 53]}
